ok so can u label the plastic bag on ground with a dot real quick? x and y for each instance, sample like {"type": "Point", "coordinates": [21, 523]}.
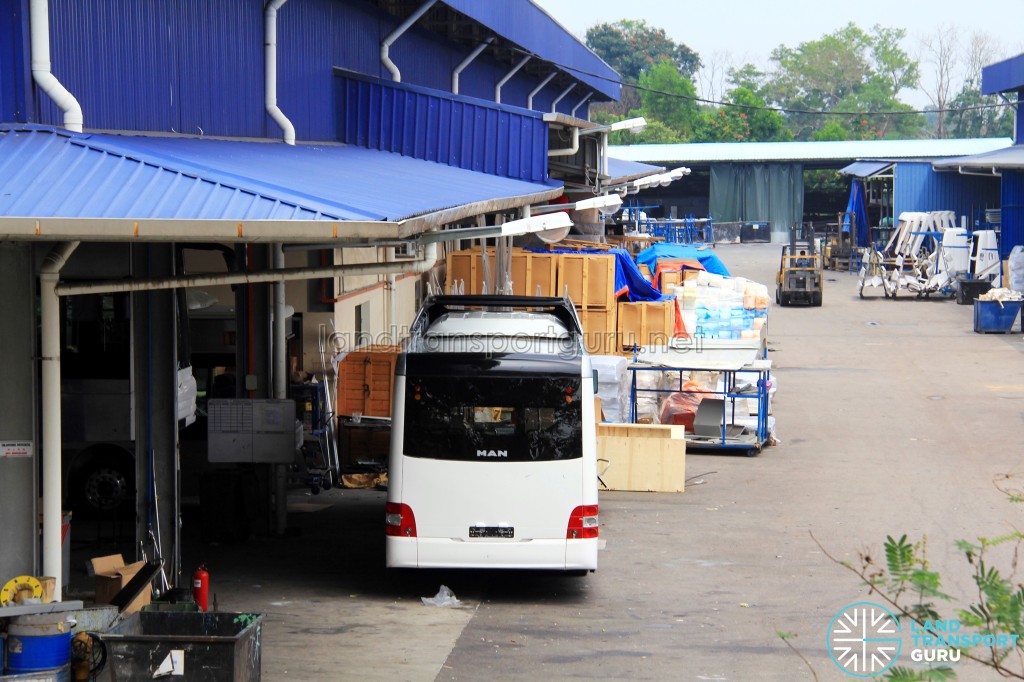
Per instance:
{"type": "Point", "coordinates": [444, 597]}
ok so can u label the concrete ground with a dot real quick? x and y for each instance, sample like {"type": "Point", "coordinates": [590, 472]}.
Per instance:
{"type": "Point", "coordinates": [894, 417]}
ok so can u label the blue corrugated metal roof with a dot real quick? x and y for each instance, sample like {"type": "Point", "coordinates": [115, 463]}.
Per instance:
{"type": "Point", "coordinates": [1003, 76]}
{"type": "Point", "coordinates": [526, 24]}
{"type": "Point", "coordinates": [45, 172]}
{"type": "Point", "coordinates": [722, 152]}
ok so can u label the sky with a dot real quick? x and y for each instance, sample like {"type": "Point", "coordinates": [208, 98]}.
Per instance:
{"type": "Point", "coordinates": [734, 33]}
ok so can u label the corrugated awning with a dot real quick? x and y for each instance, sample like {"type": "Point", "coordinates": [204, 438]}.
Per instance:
{"type": "Point", "coordinates": [1010, 158]}
{"type": "Point", "coordinates": [865, 169]}
{"type": "Point", "coordinates": [49, 173]}
{"type": "Point", "coordinates": [620, 171]}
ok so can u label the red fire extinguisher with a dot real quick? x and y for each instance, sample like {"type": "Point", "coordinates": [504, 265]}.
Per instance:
{"type": "Point", "coordinates": [201, 587]}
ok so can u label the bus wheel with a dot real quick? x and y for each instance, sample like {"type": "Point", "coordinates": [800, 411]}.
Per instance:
{"type": "Point", "coordinates": [104, 483]}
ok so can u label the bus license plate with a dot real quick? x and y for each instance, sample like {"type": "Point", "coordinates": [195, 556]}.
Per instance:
{"type": "Point", "coordinates": [492, 532]}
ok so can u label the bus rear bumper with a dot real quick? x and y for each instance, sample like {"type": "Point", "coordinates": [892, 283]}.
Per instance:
{"type": "Point", "coordinates": [559, 555]}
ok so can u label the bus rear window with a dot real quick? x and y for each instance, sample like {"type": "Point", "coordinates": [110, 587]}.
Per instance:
{"type": "Point", "coordinates": [498, 419]}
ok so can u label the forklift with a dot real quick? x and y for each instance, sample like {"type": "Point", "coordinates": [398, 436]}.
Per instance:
{"type": "Point", "coordinates": [800, 271]}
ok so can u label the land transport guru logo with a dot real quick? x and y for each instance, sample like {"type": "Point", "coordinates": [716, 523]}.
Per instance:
{"type": "Point", "coordinates": [864, 640]}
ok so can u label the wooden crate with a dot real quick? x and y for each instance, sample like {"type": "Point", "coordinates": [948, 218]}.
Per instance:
{"type": "Point", "coordinates": [642, 457]}
{"type": "Point", "coordinates": [649, 323]}
{"type": "Point", "coordinates": [532, 270]}
{"type": "Point", "coordinates": [671, 279]}
{"type": "Point", "coordinates": [600, 335]}
{"type": "Point", "coordinates": [590, 278]}
{"type": "Point", "coordinates": [467, 266]}
{"type": "Point", "coordinates": [366, 378]}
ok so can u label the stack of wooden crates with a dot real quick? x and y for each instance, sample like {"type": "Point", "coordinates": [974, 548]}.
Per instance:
{"type": "Point", "coordinates": [610, 327]}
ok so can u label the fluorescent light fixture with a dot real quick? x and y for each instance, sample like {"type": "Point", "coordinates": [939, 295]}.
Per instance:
{"type": "Point", "coordinates": [607, 204]}
{"type": "Point", "coordinates": [545, 226]}
{"type": "Point", "coordinates": [633, 125]}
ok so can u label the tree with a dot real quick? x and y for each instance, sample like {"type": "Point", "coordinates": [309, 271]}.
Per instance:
{"type": "Point", "coordinates": [632, 47]}
{"type": "Point", "coordinates": [940, 48]}
{"type": "Point", "coordinates": [747, 121]}
{"type": "Point", "coordinates": [670, 98]}
{"type": "Point", "coordinates": [847, 70]}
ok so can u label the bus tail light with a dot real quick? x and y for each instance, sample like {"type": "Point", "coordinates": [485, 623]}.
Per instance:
{"type": "Point", "coordinates": [399, 520]}
{"type": "Point", "coordinates": [582, 523]}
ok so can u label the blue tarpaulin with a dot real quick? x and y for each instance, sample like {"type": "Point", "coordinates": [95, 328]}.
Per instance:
{"type": "Point", "coordinates": [703, 255]}
{"type": "Point", "coordinates": [628, 280]}
{"type": "Point", "coordinates": [856, 206]}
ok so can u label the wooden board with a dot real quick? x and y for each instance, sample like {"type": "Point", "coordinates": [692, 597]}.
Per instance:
{"type": "Point", "coordinates": [642, 457]}
{"type": "Point", "coordinates": [531, 271]}
{"type": "Point", "coordinates": [590, 278]}
{"type": "Point", "coordinates": [649, 323]}
{"type": "Point", "coordinates": [366, 378]}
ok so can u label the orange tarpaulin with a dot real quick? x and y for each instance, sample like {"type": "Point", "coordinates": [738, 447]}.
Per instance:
{"type": "Point", "coordinates": [674, 265]}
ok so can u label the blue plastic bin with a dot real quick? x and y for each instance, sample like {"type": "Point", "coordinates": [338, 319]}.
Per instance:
{"type": "Point", "coordinates": [995, 316]}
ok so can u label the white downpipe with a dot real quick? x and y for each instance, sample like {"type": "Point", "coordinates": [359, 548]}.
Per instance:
{"type": "Point", "coordinates": [385, 46]}
{"type": "Point", "coordinates": [558, 99]}
{"type": "Point", "coordinates": [572, 148]}
{"type": "Point", "coordinates": [270, 70]}
{"type": "Point", "coordinates": [39, 32]}
{"type": "Point", "coordinates": [533, 93]}
{"type": "Point", "coordinates": [280, 374]}
{"type": "Point", "coordinates": [508, 77]}
{"type": "Point", "coordinates": [467, 61]}
{"type": "Point", "coordinates": [581, 103]}
{"type": "Point", "coordinates": [285, 274]}
{"type": "Point", "coordinates": [49, 275]}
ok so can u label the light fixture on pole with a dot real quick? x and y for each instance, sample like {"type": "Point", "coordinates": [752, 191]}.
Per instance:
{"type": "Point", "coordinates": [536, 224]}
{"type": "Point", "coordinates": [632, 125]}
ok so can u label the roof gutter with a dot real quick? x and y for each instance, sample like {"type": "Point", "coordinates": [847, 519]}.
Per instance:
{"type": "Point", "coordinates": [385, 46]}
{"type": "Point", "coordinates": [270, 70]}
{"type": "Point", "coordinates": [39, 32]}
{"type": "Point", "coordinates": [252, 231]}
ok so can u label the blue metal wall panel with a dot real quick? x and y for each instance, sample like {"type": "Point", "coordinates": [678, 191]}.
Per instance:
{"type": "Point", "coordinates": [196, 67]}
{"type": "Point", "coordinates": [458, 131]}
{"type": "Point", "coordinates": [1012, 214]}
{"type": "Point", "coordinates": [14, 60]}
{"type": "Point", "coordinates": [918, 188]}
{"type": "Point", "coordinates": [1003, 76]}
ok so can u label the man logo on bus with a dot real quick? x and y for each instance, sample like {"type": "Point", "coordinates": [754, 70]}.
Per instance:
{"type": "Point", "coordinates": [492, 453]}
{"type": "Point", "coordinates": [864, 639]}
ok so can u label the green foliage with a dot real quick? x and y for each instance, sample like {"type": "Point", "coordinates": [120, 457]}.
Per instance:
{"type": "Point", "coordinates": [847, 70]}
{"type": "Point", "coordinates": [670, 98]}
{"type": "Point", "coordinates": [967, 122]}
{"type": "Point", "coordinates": [632, 47]}
{"type": "Point", "coordinates": [831, 132]}
{"type": "Point", "coordinates": [898, 674]}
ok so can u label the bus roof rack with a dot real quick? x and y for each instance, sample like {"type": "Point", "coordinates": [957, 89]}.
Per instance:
{"type": "Point", "coordinates": [437, 306]}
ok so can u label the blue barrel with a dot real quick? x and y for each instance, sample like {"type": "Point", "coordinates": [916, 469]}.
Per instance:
{"type": "Point", "coordinates": [37, 643]}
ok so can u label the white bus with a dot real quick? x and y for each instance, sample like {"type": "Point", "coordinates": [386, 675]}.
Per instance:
{"type": "Point", "coordinates": [493, 446]}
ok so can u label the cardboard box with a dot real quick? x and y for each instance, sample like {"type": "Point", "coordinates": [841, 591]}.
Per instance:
{"type": "Point", "coordinates": [112, 575]}
{"type": "Point", "coordinates": [642, 457]}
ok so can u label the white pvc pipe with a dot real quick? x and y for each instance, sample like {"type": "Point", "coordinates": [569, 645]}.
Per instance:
{"type": "Point", "coordinates": [558, 99]}
{"type": "Point", "coordinates": [39, 32]}
{"type": "Point", "coordinates": [280, 373]}
{"type": "Point", "coordinates": [572, 148]}
{"type": "Point", "coordinates": [467, 61]}
{"type": "Point", "coordinates": [533, 93]}
{"type": "Point", "coordinates": [581, 103]}
{"type": "Point", "coordinates": [270, 70]}
{"type": "Point", "coordinates": [285, 274]}
{"type": "Point", "coordinates": [508, 77]}
{"type": "Point", "coordinates": [49, 303]}
{"type": "Point", "coordinates": [385, 46]}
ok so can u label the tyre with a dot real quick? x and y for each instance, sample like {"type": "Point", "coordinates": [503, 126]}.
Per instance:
{"type": "Point", "coordinates": [816, 299]}
{"type": "Point", "coordinates": [102, 482]}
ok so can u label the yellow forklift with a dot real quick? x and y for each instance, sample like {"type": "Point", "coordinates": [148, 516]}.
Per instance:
{"type": "Point", "coordinates": [800, 271]}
